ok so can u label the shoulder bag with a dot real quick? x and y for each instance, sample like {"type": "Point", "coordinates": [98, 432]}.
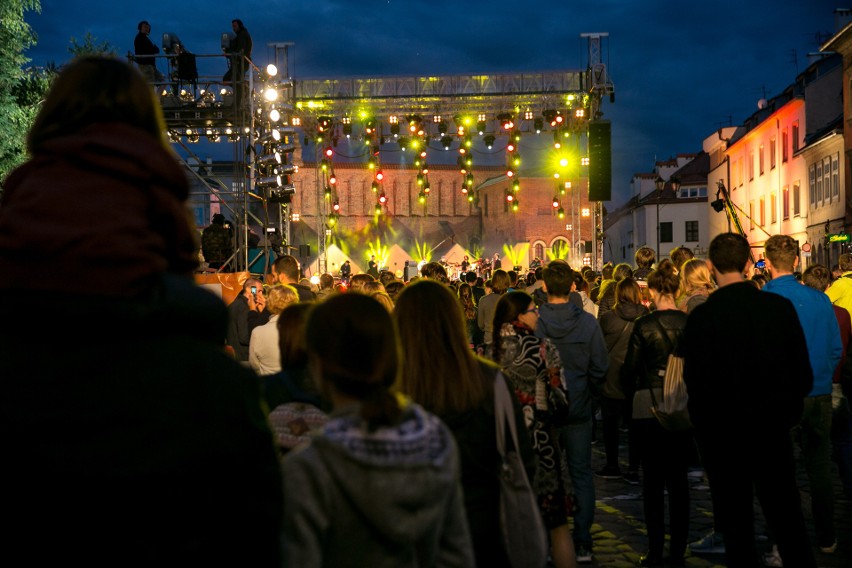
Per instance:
{"type": "Point", "coordinates": [522, 527]}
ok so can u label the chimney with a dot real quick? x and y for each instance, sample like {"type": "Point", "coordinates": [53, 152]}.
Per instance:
{"type": "Point", "coordinates": [842, 18]}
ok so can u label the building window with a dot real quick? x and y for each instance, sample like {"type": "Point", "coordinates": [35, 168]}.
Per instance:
{"type": "Point", "coordinates": [539, 251]}
{"type": "Point", "coordinates": [826, 179]}
{"type": "Point", "coordinates": [784, 145]}
{"type": "Point", "coordinates": [691, 231]}
{"type": "Point", "coordinates": [797, 207]}
{"type": "Point", "coordinates": [751, 165]}
{"type": "Point", "coordinates": [785, 202]}
{"type": "Point", "coordinates": [795, 136]}
{"type": "Point", "coordinates": [760, 159]}
{"type": "Point", "coordinates": [666, 232]}
{"type": "Point", "coordinates": [740, 171]}
{"type": "Point", "coordinates": [818, 190]}
{"type": "Point", "coordinates": [773, 207]}
{"type": "Point", "coordinates": [812, 184]}
{"type": "Point", "coordinates": [485, 203]}
{"type": "Point", "coordinates": [772, 153]}
{"type": "Point", "coordinates": [835, 175]}
{"type": "Point", "coordinates": [751, 215]}
{"type": "Point", "coordinates": [762, 212]}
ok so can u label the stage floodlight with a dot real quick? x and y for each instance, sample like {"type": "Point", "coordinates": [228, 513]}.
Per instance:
{"type": "Point", "coordinates": [270, 94]}
{"type": "Point", "coordinates": [283, 194]}
{"type": "Point", "coordinates": [269, 182]}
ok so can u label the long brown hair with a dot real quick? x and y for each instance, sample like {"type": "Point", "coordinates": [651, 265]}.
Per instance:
{"type": "Point", "coordinates": [291, 335]}
{"type": "Point", "coordinates": [439, 371]}
{"type": "Point", "coordinates": [352, 343]}
{"type": "Point", "coordinates": [465, 293]}
{"type": "Point", "coordinates": [508, 309]}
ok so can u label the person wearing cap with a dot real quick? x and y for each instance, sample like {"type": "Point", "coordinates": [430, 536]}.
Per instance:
{"type": "Point", "coordinates": [145, 49]}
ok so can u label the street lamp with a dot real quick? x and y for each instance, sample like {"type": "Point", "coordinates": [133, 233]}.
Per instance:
{"type": "Point", "coordinates": [660, 183]}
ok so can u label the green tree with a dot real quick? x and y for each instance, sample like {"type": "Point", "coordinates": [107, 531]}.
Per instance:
{"type": "Point", "coordinates": [90, 45]}
{"type": "Point", "coordinates": [15, 86]}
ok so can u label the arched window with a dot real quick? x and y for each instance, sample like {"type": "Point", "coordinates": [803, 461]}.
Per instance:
{"type": "Point", "coordinates": [560, 248]}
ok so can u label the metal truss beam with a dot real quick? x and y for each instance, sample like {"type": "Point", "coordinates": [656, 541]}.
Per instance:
{"type": "Point", "coordinates": [452, 94]}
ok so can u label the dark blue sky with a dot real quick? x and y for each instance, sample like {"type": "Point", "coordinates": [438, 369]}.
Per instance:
{"type": "Point", "coordinates": [681, 70]}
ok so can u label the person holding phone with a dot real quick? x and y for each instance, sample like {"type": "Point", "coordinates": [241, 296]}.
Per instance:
{"type": "Point", "coordinates": [244, 314]}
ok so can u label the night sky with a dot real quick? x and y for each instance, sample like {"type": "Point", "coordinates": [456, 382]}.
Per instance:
{"type": "Point", "coordinates": [680, 70]}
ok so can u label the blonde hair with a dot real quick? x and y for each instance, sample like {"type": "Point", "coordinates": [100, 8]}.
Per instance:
{"type": "Point", "coordinates": [279, 297]}
{"type": "Point", "coordinates": [695, 276]}
{"type": "Point", "coordinates": [384, 299]}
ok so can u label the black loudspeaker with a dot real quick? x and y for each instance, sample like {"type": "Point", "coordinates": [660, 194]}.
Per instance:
{"type": "Point", "coordinates": [600, 160]}
{"type": "Point", "coordinates": [588, 247]}
{"type": "Point", "coordinates": [304, 251]}
{"type": "Point", "coordinates": [409, 270]}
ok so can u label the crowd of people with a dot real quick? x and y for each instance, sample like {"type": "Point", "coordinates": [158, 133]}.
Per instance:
{"type": "Point", "coordinates": [329, 427]}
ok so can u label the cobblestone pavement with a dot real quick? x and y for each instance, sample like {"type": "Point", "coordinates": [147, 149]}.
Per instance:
{"type": "Point", "coordinates": [619, 529]}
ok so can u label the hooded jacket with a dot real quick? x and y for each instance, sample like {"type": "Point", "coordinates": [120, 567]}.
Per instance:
{"type": "Point", "coordinates": [104, 208]}
{"type": "Point", "coordinates": [577, 336]}
{"type": "Point", "coordinates": [617, 324]}
{"type": "Point", "coordinates": [385, 498]}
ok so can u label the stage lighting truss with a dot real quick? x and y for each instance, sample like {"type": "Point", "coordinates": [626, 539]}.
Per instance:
{"type": "Point", "coordinates": [507, 121]}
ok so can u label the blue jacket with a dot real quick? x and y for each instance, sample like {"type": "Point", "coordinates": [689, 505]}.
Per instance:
{"type": "Point", "coordinates": [822, 333]}
{"type": "Point", "coordinates": [578, 337]}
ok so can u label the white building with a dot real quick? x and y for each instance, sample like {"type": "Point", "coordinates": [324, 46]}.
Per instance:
{"type": "Point", "coordinates": [668, 208]}
{"type": "Point", "coordinates": [782, 168]}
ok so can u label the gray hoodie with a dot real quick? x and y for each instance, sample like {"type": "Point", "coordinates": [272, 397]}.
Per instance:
{"type": "Point", "coordinates": [390, 497]}
{"type": "Point", "coordinates": [581, 346]}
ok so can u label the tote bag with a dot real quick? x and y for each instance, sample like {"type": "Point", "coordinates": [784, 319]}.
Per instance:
{"type": "Point", "coordinates": [672, 411]}
{"type": "Point", "coordinates": [521, 524]}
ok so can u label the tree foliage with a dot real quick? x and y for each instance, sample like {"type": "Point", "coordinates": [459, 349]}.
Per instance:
{"type": "Point", "coordinates": [18, 99]}
{"type": "Point", "coordinates": [90, 45]}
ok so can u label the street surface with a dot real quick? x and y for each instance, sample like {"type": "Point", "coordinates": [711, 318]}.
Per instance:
{"type": "Point", "coordinates": [619, 529]}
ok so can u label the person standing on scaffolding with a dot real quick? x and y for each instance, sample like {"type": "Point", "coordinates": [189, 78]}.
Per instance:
{"type": "Point", "coordinates": [238, 54]}
{"type": "Point", "coordinates": [144, 50]}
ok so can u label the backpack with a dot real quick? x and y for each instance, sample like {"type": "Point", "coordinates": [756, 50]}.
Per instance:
{"type": "Point", "coordinates": [298, 417]}
{"type": "Point", "coordinates": [216, 243]}
{"type": "Point", "coordinates": [672, 412]}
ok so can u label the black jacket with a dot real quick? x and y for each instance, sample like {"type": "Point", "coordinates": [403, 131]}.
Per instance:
{"type": "Point", "coordinates": [476, 436]}
{"type": "Point", "coordinates": [141, 432]}
{"type": "Point", "coordinates": [655, 336]}
{"type": "Point", "coordinates": [746, 364]}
